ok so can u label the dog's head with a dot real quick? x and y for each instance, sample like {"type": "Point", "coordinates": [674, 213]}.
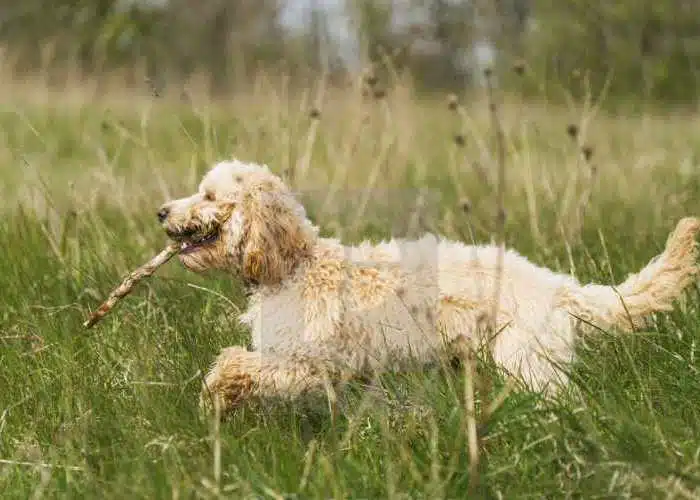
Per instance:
{"type": "Point", "coordinates": [243, 219]}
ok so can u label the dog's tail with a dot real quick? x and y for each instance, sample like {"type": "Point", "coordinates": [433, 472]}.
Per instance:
{"type": "Point", "coordinates": [653, 289]}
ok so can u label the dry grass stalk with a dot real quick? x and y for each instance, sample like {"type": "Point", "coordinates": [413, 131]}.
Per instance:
{"type": "Point", "coordinates": [130, 281]}
{"type": "Point", "coordinates": [473, 447]}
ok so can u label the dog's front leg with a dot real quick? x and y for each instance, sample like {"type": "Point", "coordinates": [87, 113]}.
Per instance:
{"type": "Point", "coordinates": [238, 374]}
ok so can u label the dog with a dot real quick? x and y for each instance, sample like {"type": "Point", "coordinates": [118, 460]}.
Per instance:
{"type": "Point", "coordinates": [321, 312]}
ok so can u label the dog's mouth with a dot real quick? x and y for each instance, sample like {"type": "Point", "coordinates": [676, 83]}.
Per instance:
{"type": "Point", "coordinates": [189, 246]}
{"type": "Point", "coordinates": [190, 241]}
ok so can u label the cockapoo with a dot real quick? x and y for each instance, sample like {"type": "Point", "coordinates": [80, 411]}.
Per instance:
{"type": "Point", "coordinates": [321, 312]}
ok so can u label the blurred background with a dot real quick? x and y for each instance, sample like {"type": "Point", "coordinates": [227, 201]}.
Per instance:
{"type": "Point", "coordinates": [629, 49]}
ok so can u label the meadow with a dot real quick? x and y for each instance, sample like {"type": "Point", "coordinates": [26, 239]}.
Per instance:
{"type": "Point", "coordinates": [112, 412]}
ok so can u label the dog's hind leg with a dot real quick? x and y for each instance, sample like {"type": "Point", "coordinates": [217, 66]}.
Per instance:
{"type": "Point", "coordinates": [537, 357]}
{"type": "Point", "coordinates": [238, 374]}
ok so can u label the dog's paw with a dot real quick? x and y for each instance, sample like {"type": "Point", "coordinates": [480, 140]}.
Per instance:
{"type": "Point", "coordinates": [226, 386]}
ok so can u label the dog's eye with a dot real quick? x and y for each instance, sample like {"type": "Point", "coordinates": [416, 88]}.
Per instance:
{"type": "Point", "coordinates": [209, 196]}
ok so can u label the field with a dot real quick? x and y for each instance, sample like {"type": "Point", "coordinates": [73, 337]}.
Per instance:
{"type": "Point", "coordinates": [112, 412]}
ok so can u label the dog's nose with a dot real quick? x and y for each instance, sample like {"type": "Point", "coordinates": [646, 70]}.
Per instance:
{"type": "Point", "coordinates": [163, 214]}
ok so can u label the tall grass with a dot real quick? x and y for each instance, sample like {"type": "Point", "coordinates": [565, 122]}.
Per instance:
{"type": "Point", "coordinates": [112, 413]}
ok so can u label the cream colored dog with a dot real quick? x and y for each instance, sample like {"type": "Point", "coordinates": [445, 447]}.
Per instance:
{"type": "Point", "coordinates": [320, 311]}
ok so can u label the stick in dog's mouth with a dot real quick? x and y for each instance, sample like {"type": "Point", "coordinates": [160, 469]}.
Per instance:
{"type": "Point", "coordinates": [132, 279]}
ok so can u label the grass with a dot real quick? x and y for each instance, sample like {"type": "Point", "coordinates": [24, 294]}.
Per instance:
{"type": "Point", "coordinates": [112, 413]}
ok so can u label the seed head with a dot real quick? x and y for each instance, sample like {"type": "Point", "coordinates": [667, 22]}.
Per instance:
{"type": "Point", "coordinates": [460, 140]}
{"type": "Point", "coordinates": [587, 152]}
{"type": "Point", "coordinates": [572, 130]}
{"type": "Point", "coordinates": [488, 72]}
{"type": "Point", "coordinates": [152, 86]}
{"type": "Point", "coordinates": [314, 113]}
{"type": "Point", "coordinates": [379, 94]}
{"type": "Point", "coordinates": [452, 102]}
{"type": "Point", "coordinates": [465, 205]}
{"type": "Point", "coordinates": [371, 78]}
{"type": "Point", "coordinates": [519, 68]}
{"type": "Point", "coordinates": [501, 216]}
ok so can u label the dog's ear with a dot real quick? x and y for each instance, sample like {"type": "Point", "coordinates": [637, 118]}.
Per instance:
{"type": "Point", "coordinates": [275, 236]}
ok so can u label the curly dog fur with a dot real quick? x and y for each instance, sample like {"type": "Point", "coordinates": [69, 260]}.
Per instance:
{"type": "Point", "coordinates": [320, 311]}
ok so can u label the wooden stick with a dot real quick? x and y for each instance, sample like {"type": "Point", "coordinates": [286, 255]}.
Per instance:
{"type": "Point", "coordinates": [130, 281]}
